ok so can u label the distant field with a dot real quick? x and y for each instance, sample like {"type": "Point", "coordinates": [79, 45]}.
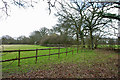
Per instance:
{"type": "Point", "coordinates": [103, 46]}
{"type": "Point", "coordinates": [87, 57]}
{"type": "Point", "coordinates": [109, 46]}
{"type": "Point", "coordinates": [17, 47]}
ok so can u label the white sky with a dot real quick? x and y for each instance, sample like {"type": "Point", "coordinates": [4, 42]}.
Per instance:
{"type": "Point", "coordinates": [24, 21]}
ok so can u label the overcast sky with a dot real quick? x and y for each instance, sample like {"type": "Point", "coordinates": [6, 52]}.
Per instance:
{"type": "Point", "coordinates": [24, 21]}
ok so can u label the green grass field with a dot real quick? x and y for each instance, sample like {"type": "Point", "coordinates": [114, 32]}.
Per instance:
{"type": "Point", "coordinates": [109, 46]}
{"type": "Point", "coordinates": [88, 57]}
{"type": "Point", "coordinates": [28, 64]}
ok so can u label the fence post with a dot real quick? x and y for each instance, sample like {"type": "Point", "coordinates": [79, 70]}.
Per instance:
{"type": "Point", "coordinates": [36, 56]}
{"type": "Point", "coordinates": [58, 52]}
{"type": "Point", "coordinates": [77, 48]}
{"type": "Point", "coordinates": [49, 53]}
{"type": "Point", "coordinates": [19, 57]}
{"type": "Point", "coordinates": [72, 51]}
{"type": "Point", "coordinates": [66, 51]}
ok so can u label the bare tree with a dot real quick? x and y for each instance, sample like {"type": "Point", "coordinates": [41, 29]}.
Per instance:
{"type": "Point", "coordinates": [72, 13]}
{"type": "Point", "coordinates": [94, 20]}
{"type": "Point", "coordinates": [5, 5]}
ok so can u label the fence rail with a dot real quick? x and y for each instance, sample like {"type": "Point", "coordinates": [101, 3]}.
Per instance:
{"type": "Point", "coordinates": [30, 49]}
{"type": "Point", "coordinates": [36, 56]}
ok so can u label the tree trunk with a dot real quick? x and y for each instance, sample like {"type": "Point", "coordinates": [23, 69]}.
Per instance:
{"type": "Point", "coordinates": [96, 46]}
{"type": "Point", "coordinates": [91, 38]}
{"type": "Point", "coordinates": [118, 42]}
{"type": "Point", "coordinates": [77, 41]}
{"type": "Point", "coordinates": [82, 42]}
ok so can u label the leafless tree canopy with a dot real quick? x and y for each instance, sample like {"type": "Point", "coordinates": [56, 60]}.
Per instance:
{"type": "Point", "coordinates": [5, 5]}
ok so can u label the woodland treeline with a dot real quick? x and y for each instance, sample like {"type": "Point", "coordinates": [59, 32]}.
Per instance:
{"type": "Point", "coordinates": [78, 23]}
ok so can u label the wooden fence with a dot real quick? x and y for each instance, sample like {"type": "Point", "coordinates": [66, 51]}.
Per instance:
{"type": "Point", "coordinates": [36, 53]}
